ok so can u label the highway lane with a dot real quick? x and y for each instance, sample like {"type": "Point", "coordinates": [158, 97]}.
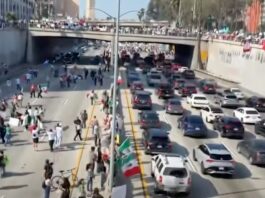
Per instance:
{"type": "Point", "coordinates": [24, 173]}
{"type": "Point", "coordinates": [248, 180]}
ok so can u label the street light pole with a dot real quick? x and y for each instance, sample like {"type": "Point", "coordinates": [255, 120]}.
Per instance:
{"type": "Point", "coordinates": [112, 146]}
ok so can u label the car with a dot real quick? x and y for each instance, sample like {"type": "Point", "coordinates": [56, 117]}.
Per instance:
{"type": "Point", "coordinates": [225, 99]}
{"type": "Point", "coordinates": [208, 81]}
{"type": "Point", "coordinates": [173, 106]}
{"type": "Point", "coordinates": [175, 67]}
{"type": "Point", "coordinates": [188, 74]}
{"type": "Point", "coordinates": [164, 90]}
{"type": "Point", "coordinates": [239, 94]}
{"type": "Point", "coordinates": [260, 127]}
{"type": "Point", "coordinates": [192, 125]}
{"type": "Point", "coordinates": [208, 88]}
{"type": "Point", "coordinates": [182, 69]}
{"type": "Point", "coordinates": [256, 102]}
{"type": "Point", "coordinates": [154, 79]}
{"type": "Point", "coordinates": [171, 174]}
{"type": "Point", "coordinates": [178, 83]}
{"type": "Point", "coordinates": [174, 77]}
{"type": "Point", "coordinates": [156, 141]}
{"type": "Point", "coordinates": [132, 77]}
{"type": "Point", "coordinates": [187, 90]}
{"type": "Point", "coordinates": [210, 113]}
{"type": "Point", "coordinates": [247, 115]}
{"type": "Point", "coordinates": [197, 100]}
{"type": "Point", "coordinates": [229, 127]}
{"type": "Point", "coordinates": [141, 100]}
{"type": "Point", "coordinates": [145, 68]}
{"type": "Point", "coordinates": [214, 159]}
{"type": "Point", "coordinates": [136, 86]}
{"type": "Point", "coordinates": [148, 119]}
{"type": "Point", "coordinates": [253, 150]}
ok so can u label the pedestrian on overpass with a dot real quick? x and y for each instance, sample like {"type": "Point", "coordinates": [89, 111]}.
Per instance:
{"type": "Point", "coordinates": [20, 99]}
{"type": "Point", "coordinates": [33, 89]}
{"type": "Point", "coordinates": [85, 73]}
{"type": "Point", "coordinates": [18, 83]}
{"type": "Point", "coordinates": [95, 79]}
{"type": "Point", "coordinates": [39, 91]}
{"type": "Point", "coordinates": [78, 128]}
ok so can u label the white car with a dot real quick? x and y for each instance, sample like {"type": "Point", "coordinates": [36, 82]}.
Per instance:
{"type": "Point", "coordinates": [171, 174]}
{"type": "Point", "coordinates": [247, 115]}
{"type": "Point", "coordinates": [214, 159]}
{"type": "Point", "coordinates": [210, 113]}
{"type": "Point", "coordinates": [182, 69]}
{"type": "Point", "coordinates": [197, 100]}
{"type": "Point", "coordinates": [238, 93]}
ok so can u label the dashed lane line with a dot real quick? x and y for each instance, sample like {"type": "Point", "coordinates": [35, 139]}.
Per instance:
{"type": "Point", "coordinates": [144, 184]}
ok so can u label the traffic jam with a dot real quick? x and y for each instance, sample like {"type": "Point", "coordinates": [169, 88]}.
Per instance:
{"type": "Point", "coordinates": [190, 125]}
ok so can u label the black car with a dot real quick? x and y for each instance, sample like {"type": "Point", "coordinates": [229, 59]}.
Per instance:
{"type": "Point", "coordinates": [156, 141]}
{"type": "Point", "coordinates": [229, 127]}
{"type": "Point", "coordinates": [165, 90]}
{"type": "Point", "coordinates": [132, 78]}
{"type": "Point", "coordinates": [188, 74]}
{"type": "Point", "coordinates": [256, 102]}
{"type": "Point", "coordinates": [192, 125]}
{"type": "Point", "coordinates": [174, 77]}
{"type": "Point", "coordinates": [260, 127]}
{"type": "Point", "coordinates": [149, 119]}
{"type": "Point", "coordinates": [141, 100]}
{"type": "Point", "coordinates": [253, 150]}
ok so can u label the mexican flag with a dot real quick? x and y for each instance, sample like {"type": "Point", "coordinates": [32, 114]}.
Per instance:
{"type": "Point", "coordinates": [44, 87]}
{"type": "Point", "coordinates": [127, 162]}
{"type": "Point", "coordinates": [126, 148]}
{"type": "Point", "coordinates": [129, 165]}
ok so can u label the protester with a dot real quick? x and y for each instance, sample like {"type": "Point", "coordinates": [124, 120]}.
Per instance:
{"type": "Point", "coordinates": [33, 91]}
{"type": "Point", "coordinates": [48, 169]}
{"type": "Point", "coordinates": [3, 161]}
{"type": "Point", "coordinates": [51, 137]}
{"type": "Point", "coordinates": [96, 193]}
{"type": "Point", "coordinates": [39, 91]}
{"type": "Point", "coordinates": [35, 138]}
{"type": "Point", "coordinates": [59, 135]}
{"type": "Point", "coordinates": [78, 128]}
{"type": "Point", "coordinates": [20, 99]}
{"type": "Point", "coordinates": [2, 133]}
{"type": "Point", "coordinates": [7, 134]}
{"type": "Point", "coordinates": [90, 176]}
{"type": "Point", "coordinates": [46, 185]}
{"type": "Point", "coordinates": [84, 118]}
{"type": "Point", "coordinates": [101, 169]}
{"type": "Point", "coordinates": [92, 157]}
{"type": "Point", "coordinates": [18, 84]}
{"type": "Point", "coordinates": [65, 187]}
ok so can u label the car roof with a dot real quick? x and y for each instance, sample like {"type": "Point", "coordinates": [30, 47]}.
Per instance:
{"type": "Point", "coordinates": [141, 92]}
{"type": "Point", "coordinates": [137, 82]}
{"type": "Point", "coordinates": [174, 100]}
{"type": "Point", "coordinates": [158, 132]}
{"type": "Point", "coordinates": [174, 161]}
{"type": "Point", "coordinates": [217, 149]}
{"type": "Point", "coordinates": [149, 112]}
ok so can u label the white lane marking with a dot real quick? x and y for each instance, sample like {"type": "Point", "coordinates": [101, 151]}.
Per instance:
{"type": "Point", "coordinates": [230, 150]}
{"type": "Point", "coordinates": [193, 167]}
{"type": "Point", "coordinates": [65, 102]}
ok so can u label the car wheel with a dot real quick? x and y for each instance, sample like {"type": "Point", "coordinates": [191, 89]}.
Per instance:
{"type": "Point", "coordinates": [203, 169]}
{"type": "Point", "coordinates": [251, 160]}
{"type": "Point", "coordinates": [194, 155]}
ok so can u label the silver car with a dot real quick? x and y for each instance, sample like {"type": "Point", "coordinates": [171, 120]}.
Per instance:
{"type": "Point", "coordinates": [214, 159]}
{"type": "Point", "coordinates": [227, 100]}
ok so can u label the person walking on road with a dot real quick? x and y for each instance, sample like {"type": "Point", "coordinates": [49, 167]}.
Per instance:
{"type": "Point", "coordinates": [100, 79]}
{"type": "Point", "coordinates": [28, 78]}
{"type": "Point", "coordinates": [48, 169]}
{"type": "Point", "coordinates": [59, 135]}
{"type": "Point", "coordinates": [92, 157]}
{"type": "Point", "coordinates": [46, 185]}
{"type": "Point", "coordinates": [85, 73]}
{"type": "Point", "coordinates": [35, 138]}
{"type": "Point", "coordinates": [20, 97]}
{"type": "Point", "coordinates": [32, 90]}
{"type": "Point", "coordinates": [102, 172]}
{"type": "Point", "coordinates": [95, 79]}
{"type": "Point", "coordinates": [51, 137]}
{"type": "Point", "coordinates": [39, 91]}
{"type": "Point", "coordinates": [90, 176]}
{"type": "Point", "coordinates": [84, 118]}
{"type": "Point", "coordinates": [7, 134]}
{"type": "Point", "coordinates": [78, 128]}
{"type": "Point", "coordinates": [93, 97]}
{"type": "Point", "coordinates": [18, 83]}
{"type": "Point", "coordinates": [65, 187]}
{"type": "Point", "coordinates": [2, 133]}
{"type": "Point", "coordinates": [96, 134]}
{"type": "Point", "coordinates": [3, 161]}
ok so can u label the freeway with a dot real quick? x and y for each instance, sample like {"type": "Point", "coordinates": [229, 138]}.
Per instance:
{"type": "Point", "coordinates": [25, 170]}
{"type": "Point", "coordinates": [248, 180]}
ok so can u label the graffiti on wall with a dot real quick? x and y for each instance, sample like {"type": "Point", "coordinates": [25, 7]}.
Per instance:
{"type": "Point", "coordinates": [227, 56]}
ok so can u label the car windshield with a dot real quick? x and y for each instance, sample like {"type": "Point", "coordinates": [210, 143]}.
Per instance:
{"type": "Point", "coordinates": [231, 97]}
{"type": "Point", "coordinates": [199, 98]}
{"type": "Point", "coordinates": [176, 172]}
{"type": "Point", "coordinates": [165, 86]}
{"type": "Point", "coordinates": [176, 77]}
{"type": "Point", "coordinates": [157, 77]}
{"type": "Point", "coordinates": [159, 139]}
{"type": "Point", "coordinates": [252, 112]}
{"type": "Point", "coordinates": [261, 100]}
{"type": "Point", "coordinates": [196, 120]}
{"type": "Point", "coordinates": [150, 116]}
{"type": "Point", "coordinates": [174, 102]}
{"type": "Point", "coordinates": [234, 123]}
{"type": "Point", "coordinates": [217, 110]}
{"type": "Point", "coordinates": [189, 72]}
{"type": "Point", "coordinates": [221, 157]}
{"type": "Point", "coordinates": [236, 91]}
{"type": "Point", "coordinates": [143, 97]}
{"type": "Point", "coordinates": [259, 144]}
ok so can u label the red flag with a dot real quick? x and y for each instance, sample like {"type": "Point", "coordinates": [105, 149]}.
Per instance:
{"type": "Point", "coordinates": [247, 47]}
{"type": "Point", "coordinates": [263, 44]}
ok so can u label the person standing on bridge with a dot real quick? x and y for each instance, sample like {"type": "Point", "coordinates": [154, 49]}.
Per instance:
{"type": "Point", "coordinates": [85, 73]}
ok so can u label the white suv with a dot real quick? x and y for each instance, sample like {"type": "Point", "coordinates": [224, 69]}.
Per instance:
{"type": "Point", "coordinates": [210, 113]}
{"type": "Point", "coordinates": [171, 174]}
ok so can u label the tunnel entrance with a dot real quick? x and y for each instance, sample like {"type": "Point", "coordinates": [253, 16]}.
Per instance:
{"type": "Point", "coordinates": [184, 54]}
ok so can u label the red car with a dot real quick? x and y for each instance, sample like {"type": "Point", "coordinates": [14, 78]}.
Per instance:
{"type": "Point", "coordinates": [187, 90]}
{"type": "Point", "coordinates": [136, 86]}
{"type": "Point", "coordinates": [208, 89]}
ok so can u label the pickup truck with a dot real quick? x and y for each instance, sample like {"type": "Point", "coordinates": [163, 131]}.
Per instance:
{"type": "Point", "coordinates": [197, 100]}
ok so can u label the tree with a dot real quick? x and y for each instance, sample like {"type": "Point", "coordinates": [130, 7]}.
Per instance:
{"type": "Point", "coordinates": [11, 17]}
{"type": "Point", "coordinates": [141, 14]}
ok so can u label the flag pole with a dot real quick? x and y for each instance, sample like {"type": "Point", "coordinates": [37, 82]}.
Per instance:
{"type": "Point", "coordinates": [112, 145]}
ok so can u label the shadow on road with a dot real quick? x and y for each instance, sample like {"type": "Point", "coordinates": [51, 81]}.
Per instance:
{"type": "Point", "coordinates": [13, 187]}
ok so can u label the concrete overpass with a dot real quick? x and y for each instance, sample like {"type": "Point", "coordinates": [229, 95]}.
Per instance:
{"type": "Point", "coordinates": [183, 45]}
{"type": "Point", "coordinates": [127, 23]}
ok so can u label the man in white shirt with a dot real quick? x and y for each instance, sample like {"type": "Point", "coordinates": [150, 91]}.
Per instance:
{"type": "Point", "coordinates": [28, 77]}
{"type": "Point", "coordinates": [20, 99]}
{"type": "Point", "coordinates": [59, 135]}
{"type": "Point", "coordinates": [51, 137]}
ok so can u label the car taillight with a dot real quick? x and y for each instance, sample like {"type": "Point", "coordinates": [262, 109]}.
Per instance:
{"type": "Point", "coordinates": [210, 161]}
{"type": "Point", "coordinates": [206, 88]}
{"type": "Point", "coordinates": [160, 179]}
{"type": "Point", "coordinates": [227, 126]}
{"type": "Point", "coordinates": [189, 181]}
